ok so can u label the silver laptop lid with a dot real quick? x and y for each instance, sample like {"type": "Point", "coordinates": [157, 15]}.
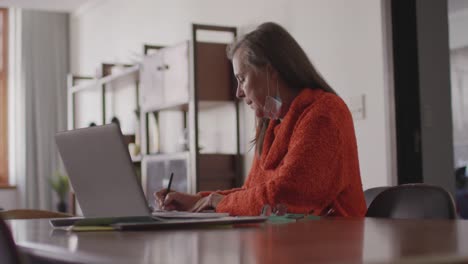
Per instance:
{"type": "Point", "coordinates": [101, 172]}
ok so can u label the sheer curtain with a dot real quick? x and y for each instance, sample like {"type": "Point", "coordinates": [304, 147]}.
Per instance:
{"type": "Point", "coordinates": [39, 103]}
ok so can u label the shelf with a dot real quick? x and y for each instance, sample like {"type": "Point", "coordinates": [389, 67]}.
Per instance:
{"type": "Point", "coordinates": [181, 106]}
{"type": "Point", "coordinates": [202, 105]}
{"type": "Point", "coordinates": [97, 83]}
{"type": "Point", "coordinates": [217, 153]}
{"type": "Point", "coordinates": [183, 154]}
{"type": "Point", "coordinates": [208, 162]}
{"type": "Point", "coordinates": [208, 105]}
{"type": "Point", "coordinates": [167, 156]}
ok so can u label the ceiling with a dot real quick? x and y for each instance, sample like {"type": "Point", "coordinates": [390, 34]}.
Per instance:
{"type": "Point", "coordinates": [73, 5]}
{"type": "Point", "coordinates": [50, 5]}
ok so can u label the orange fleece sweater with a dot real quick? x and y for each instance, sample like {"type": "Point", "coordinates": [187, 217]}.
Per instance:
{"type": "Point", "coordinates": [309, 163]}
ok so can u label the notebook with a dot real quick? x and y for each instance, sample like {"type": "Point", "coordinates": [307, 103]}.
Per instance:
{"type": "Point", "coordinates": [102, 175]}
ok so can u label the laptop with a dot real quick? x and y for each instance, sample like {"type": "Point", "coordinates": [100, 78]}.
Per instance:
{"type": "Point", "coordinates": [102, 175]}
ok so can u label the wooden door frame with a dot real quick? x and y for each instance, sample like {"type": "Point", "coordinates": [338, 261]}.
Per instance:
{"type": "Point", "coordinates": [4, 101]}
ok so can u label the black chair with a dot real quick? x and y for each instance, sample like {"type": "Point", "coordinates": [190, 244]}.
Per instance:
{"type": "Point", "coordinates": [371, 193]}
{"type": "Point", "coordinates": [413, 201]}
{"type": "Point", "coordinates": [8, 251]}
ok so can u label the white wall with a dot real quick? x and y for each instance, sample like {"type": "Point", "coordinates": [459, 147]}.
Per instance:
{"type": "Point", "coordinates": [458, 42]}
{"type": "Point", "coordinates": [343, 38]}
{"type": "Point", "coordinates": [345, 41]}
{"type": "Point", "coordinates": [457, 29]}
{"type": "Point", "coordinates": [116, 30]}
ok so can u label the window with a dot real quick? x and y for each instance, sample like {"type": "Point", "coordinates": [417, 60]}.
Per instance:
{"type": "Point", "coordinates": [3, 96]}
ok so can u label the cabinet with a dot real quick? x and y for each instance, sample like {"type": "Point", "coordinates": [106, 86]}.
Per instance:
{"type": "Point", "coordinates": [190, 116]}
{"type": "Point", "coordinates": [165, 75]}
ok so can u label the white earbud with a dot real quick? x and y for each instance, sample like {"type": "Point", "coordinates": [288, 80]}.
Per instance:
{"type": "Point", "coordinates": [272, 107]}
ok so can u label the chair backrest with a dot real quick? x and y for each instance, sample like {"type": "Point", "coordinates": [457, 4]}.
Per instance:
{"type": "Point", "coordinates": [31, 214]}
{"type": "Point", "coordinates": [413, 201]}
{"type": "Point", "coordinates": [371, 193]}
{"type": "Point", "coordinates": [8, 251]}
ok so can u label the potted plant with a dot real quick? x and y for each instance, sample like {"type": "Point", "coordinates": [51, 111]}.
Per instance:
{"type": "Point", "coordinates": [60, 185]}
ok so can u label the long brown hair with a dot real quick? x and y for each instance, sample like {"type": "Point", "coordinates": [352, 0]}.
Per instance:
{"type": "Point", "coordinates": [270, 44]}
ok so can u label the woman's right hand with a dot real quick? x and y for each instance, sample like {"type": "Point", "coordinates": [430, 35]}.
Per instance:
{"type": "Point", "coordinates": [175, 200]}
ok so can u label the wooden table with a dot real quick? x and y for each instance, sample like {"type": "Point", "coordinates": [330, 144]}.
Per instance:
{"type": "Point", "coordinates": [321, 241]}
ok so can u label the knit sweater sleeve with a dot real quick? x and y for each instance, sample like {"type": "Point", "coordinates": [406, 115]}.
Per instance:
{"type": "Point", "coordinates": [223, 192]}
{"type": "Point", "coordinates": [309, 178]}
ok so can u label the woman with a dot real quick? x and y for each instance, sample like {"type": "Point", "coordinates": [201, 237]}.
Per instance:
{"type": "Point", "coordinates": [306, 155]}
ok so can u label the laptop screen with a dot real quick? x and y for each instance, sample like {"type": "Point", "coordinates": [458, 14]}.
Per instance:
{"type": "Point", "coordinates": [101, 172]}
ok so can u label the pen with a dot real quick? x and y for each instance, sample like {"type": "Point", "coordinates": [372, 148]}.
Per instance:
{"type": "Point", "coordinates": [170, 183]}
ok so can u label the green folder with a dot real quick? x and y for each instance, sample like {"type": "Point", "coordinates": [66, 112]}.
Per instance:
{"type": "Point", "coordinates": [290, 218]}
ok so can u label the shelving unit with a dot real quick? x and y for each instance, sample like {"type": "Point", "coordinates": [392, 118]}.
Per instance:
{"type": "Point", "coordinates": [99, 84]}
{"type": "Point", "coordinates": [204, 85]}
{"type": "Point", "coordinates": [212, 70]}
